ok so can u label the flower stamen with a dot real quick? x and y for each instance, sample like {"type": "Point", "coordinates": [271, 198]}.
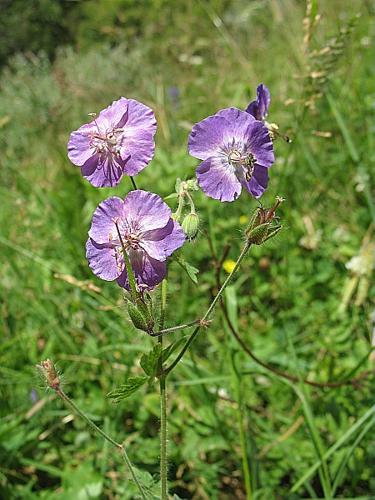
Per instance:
{"type": "Point", "coordinates": [246, 161]}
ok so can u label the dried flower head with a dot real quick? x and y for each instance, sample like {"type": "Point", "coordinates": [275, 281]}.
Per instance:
{"type": "Point", "coordinates": [49, 373]}
{"type": "Point", "coordinates": [142, 225]}
{"type": "Point", "coordinates": [236, 151]}
{"type": "Point", "coordinates": [120, 140]}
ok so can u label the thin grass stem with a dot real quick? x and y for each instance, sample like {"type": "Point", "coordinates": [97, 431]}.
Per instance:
{"type": "Point", "coordinates": [243, 439]}
{"type": "Point", "coordinates": [104, 435]}
{"type": "Point", "coordinates": [314, 433]}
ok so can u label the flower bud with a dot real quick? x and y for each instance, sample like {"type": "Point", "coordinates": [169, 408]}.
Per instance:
{"type": "Point", "coordinates": [138, 318]}
{"type": "Point", "coordinates": [190, 225]}
{"type": "Point", "coordinates": [192, 185]}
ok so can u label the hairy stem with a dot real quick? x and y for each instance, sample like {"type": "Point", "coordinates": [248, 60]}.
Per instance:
{"type": "Point", "coordinates": [244, 251]}
{"type": "Point", "coordinates": [174, 328]}
{"type": "Point", "coordinates": [104, 435]}
{"type": "Point", "coordinates": [163, 401]}
{"type": "Point", "coordinates": [163, 437]}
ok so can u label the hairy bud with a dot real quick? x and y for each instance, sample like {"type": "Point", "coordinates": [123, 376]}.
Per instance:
{"type": "Point", "coordinates": [190, 225]}
{"type": "Point", "coordinates": [49, 373]}
{"type": "Point", "coordinates": [140, 317]}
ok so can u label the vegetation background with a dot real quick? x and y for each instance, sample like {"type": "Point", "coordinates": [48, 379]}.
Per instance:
{"type": "Point", "coordinates": [297, 303]}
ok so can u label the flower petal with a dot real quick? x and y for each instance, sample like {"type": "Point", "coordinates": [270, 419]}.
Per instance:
{"type": "Point", "coordinates": [138, 137]}
{"type": "Point", "coordinates": [146, 211]}
{"type": "Point", "coordinates": [103, 229]}
{"type": "Point", "coordinates": [259, 108]}
{"type": "Point", "coordinates": [140, 116]}
{"type": "Point", "coordinates": [218, 180]}
{"type": "Point", "coordinates": [253, 110]}
{"type": "Point", "coordinates": [236, 116]}
{"type": "Point", "coordinates": [207, 137]}
{"type": "Point", "coordinates": [239, 123]}
{"type": "Point", "coordinates": [260, 143]}
{"type": "Point", "coordinates": [79, 145]}
{"type": "Point", "coordinates": [107, 172]}
{"type": "Point", "coordinates": [148, 272]}
{"type": "Point", "coordinates": [102, 260]}
{"type": "Point", "coordinates": [140, 146]}
{"type": "Point", "coordinates": [114, 116]}
{"type": "Point", "coordinates": [161, 243]}
{"type": "Point", "coordinates": [258, 182]}
{"type": "Point", "coordinates": [264, 100]}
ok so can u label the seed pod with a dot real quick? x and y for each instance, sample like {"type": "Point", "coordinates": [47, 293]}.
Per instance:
{"type": "Point", "coordinates": [257, 234]}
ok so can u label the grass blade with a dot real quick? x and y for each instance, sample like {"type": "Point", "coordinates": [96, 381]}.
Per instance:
{"type": "Point", "coordinates": [357, 425]}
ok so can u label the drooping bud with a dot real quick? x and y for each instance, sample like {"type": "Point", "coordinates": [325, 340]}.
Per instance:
{"type": "Point", "coordinates": [49, 373]}
{"type": "Point", "coordinates": [190, 225]}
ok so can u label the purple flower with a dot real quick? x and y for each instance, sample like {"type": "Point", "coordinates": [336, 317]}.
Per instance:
{"type": "Point", "coordinates": [148, 232]}
{"type": "Point", "coordinates": [120, 140]}
{"type": "Point", "coordinates": [259, 107]}
{"type": "Point", "coordinates": [236, 151]}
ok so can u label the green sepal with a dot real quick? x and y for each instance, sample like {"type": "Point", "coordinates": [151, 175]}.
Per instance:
{"type": "Point", "coordinates": [258, 234]}
{"type": "Point", "coordinates": [254, 220]}
{"type": "Point", "coordinates": [273, 233]}
{"type": "Point", "coordinates": [138, 318]}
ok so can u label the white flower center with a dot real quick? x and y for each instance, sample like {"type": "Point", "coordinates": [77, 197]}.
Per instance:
{"type": "Point", "coordinates": [108, 142]}
{"type": "Point", "coordinates": [242, 160]}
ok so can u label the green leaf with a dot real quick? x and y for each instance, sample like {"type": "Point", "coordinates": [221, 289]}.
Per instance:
{"type": "Point", "coordinates": [231, 303]}
{"type": "Point", "coordinates": [343, 128]}
{"type": "Point", "coordinates": [149, 361]}
{"type": "Point", "coordinates": [345, 437]}
{"type": "Point", "coordinates": [190, 270]}
{"type": "Point", "coordinates": [171, 196]}
{"type": "Point", "coordinates": [127, 389]}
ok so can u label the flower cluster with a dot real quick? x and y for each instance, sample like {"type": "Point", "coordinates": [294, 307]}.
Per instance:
{"type": "Point", "coordinates": [236, 150]}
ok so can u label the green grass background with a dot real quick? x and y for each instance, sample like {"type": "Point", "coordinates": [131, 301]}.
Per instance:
{"type": "Point", "coordinates": [287, 301]}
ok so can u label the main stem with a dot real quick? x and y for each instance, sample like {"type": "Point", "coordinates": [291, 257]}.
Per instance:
{"type": "Point", "coordinates": [163, 401]}
{"type": "Point", "coordinates": [163, 437]}
{"type": "Point", "coordinates": [97, 429]}
{"type": "Point", "coordinates": [210, 309]}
